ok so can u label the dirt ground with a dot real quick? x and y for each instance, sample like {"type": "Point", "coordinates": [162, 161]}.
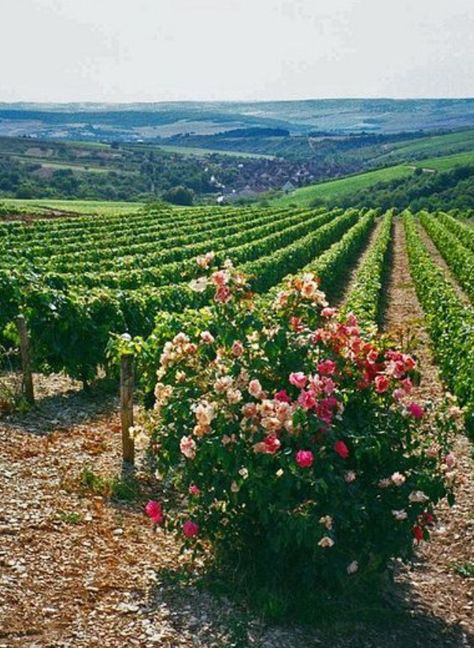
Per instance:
{"type": "Point", "coordinates": [47, 214]}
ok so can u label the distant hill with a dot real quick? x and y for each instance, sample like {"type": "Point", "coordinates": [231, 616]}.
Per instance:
{"type": "Point", "coordinates": [148, 122]}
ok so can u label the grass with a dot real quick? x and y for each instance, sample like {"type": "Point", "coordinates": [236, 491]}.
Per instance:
{"type": "Point", "coordinates": [64, 165]}
{"type": "Point", "coordinates": [432, 145]}
{"type": "Point", "coordinates": [340, 188]}
{"type": "Point", "coordinates": [67, 165]}
{"type": "Point", "coordinates": [94, 207]}
{"type": "Point", "coordinates": [466, 570]}
{"type": "Point", "coordinates": [194, 150]}
{"type": "Point", "coordinates": [125, 489]}
{"type": "Point", "coordinates": [446, 162]}
{"type": "Point", "coordinates": [70, 517]}
{"type": "Point", "coordinates": [333, 190]}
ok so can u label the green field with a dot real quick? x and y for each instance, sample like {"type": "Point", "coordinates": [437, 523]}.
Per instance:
{"type": "Point", "coordinates": [446, 162]}
{"type": "Point", "coordinates": [96, 207]}
{"type": "Point", "coordinates": [60, 165]}
{"type": "Point", "coordinates": [333, 189]}
{"type": "Point", "coordinates": [194, 150]}
{"type": "Point", "coordinates": [342, 187]}
{"type": "Point", "coordinates": [448, 143]}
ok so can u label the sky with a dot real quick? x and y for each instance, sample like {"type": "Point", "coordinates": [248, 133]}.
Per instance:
{"type": "Point", "coordinates": [167, 50]}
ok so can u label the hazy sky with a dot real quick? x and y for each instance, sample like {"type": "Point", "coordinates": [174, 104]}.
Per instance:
{"type": "Point", "coordinates": [153, 50]}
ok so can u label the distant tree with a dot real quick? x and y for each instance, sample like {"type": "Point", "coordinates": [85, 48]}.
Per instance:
{"type": "Point", "coordinates": [179, 196]}
{"type": "Point", "coordinates": [25, 190]}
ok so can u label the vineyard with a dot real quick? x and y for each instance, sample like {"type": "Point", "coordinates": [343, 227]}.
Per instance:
{"type": "Point", "coordinates": [90, 288]}
{"type": "Point", "coordinates": [79, 282]}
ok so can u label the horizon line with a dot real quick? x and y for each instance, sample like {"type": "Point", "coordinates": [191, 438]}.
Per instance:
{"type": "Point", "coordinates": [96, 102]}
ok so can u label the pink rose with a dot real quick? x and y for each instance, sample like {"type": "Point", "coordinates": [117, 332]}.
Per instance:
{"type": "Point", "coordinates": [416, 410]}
{"type": "Point", "coordinates": [298, 379]}
{"type": "Point", "coordinates": [398, 394]}
{"type": "Point", "coordinates": [295, 324]}
{"type": "Point", "coordinates": [270, 445]}
{"type": "Point", "coordinates": [194, 490]}
{"type": "Point", "coordinates": [324, 409]}
{"type": "Point", "coordinates": [222, 295]}
{"type": "Point", "coordinates": [341, 449]}
{"type": "Point", "coordinates": [237, 349]}
{"type": "Point", "coordinates": [328, 312]}
{"type": "Point", "coordinates": [255, 388]}
{"type": "Point", "coordinates": [249, 410]}
{"type": "Point", "coordinates": [206, 260]}
{"type": "Point", "coordinates": [307, 400]}
{"type": "Point", "coordinates": [372, 356]}
{"type": "Point", "coordinates": [382, 383]}
{"type": "Point", "coordinates": [154, 512]}
{"type": "Point", "coordinates": [326, 367]}
{"type": "Point", "coordinates": [187, 445]}
{"type": "Point", "coordinates": [220, 278]}
{"type": "Point", "coordinates": [450, 460]}
{"type": "Point", "coordinates": [207, 337]}
{"type": "Point", "coordinates": [351, 320]}
{"type": "Point", "coordinates": [329, 386]}
{"type": "Point", "coordinates": [190, 528]}
{"type": "Point", "coordinates": [395, 369]}
{"type": "Point", "coordinates": [304, 458]}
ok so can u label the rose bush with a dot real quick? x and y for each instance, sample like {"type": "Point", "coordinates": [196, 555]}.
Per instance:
{"type": "Point", "coordinates": [293, 445]}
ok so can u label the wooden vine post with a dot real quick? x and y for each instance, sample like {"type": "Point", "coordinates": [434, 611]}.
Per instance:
{"type": "Point", "coordinates": [28, 389]}
{"type": "Point", "coordinates": [126, 408]}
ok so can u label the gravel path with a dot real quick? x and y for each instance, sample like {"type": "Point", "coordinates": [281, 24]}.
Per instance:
{"type": "Point", "coordinates": [436, 585]}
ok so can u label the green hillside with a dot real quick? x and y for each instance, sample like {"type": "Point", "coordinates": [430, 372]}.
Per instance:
{"type": "Point", "coordinates": [446, 162]}
{"type": "Point", "coordinates": [433, 145]}
{"type": "Point", "coordinates": [96, 207]}
{"type": "Point", "coordinates": [341, 188]}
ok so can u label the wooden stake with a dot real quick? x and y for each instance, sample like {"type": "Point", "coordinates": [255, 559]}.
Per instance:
{"type": "Point", "coordinates": [126, 407]}
{"type": "Point", "coordinates": [25, 359]}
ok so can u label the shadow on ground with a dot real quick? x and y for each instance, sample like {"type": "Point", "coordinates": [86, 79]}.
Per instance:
{"type": "Point", "coordinates": [60, 404]}
{"type": "Point", "coordinates": [396, 621]}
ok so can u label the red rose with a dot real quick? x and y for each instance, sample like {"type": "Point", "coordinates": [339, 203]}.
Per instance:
{"type": "Point", "coordinates": [416, 410]}
{"type": "Point", "coordinates": [295, 324]}
{"type": "Point", "coordinates": [341, 449]}
{"type": "Point", "coordinates": [326, 367]}
{"type": "Point", "coordinates": [382, 383]}
{"type": "Point", "coordinates": [282, 396]}
{"type": "Point", "coordinates": [154, 512]}
{"type": "Point", "coordinates": [190, 528]}
{"type": "Point", "coordinates": [426, 519]}
{"type": "Point", "coordinates": [272, 444]}
{"type": "Point", "coordinates": [304, 458]}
